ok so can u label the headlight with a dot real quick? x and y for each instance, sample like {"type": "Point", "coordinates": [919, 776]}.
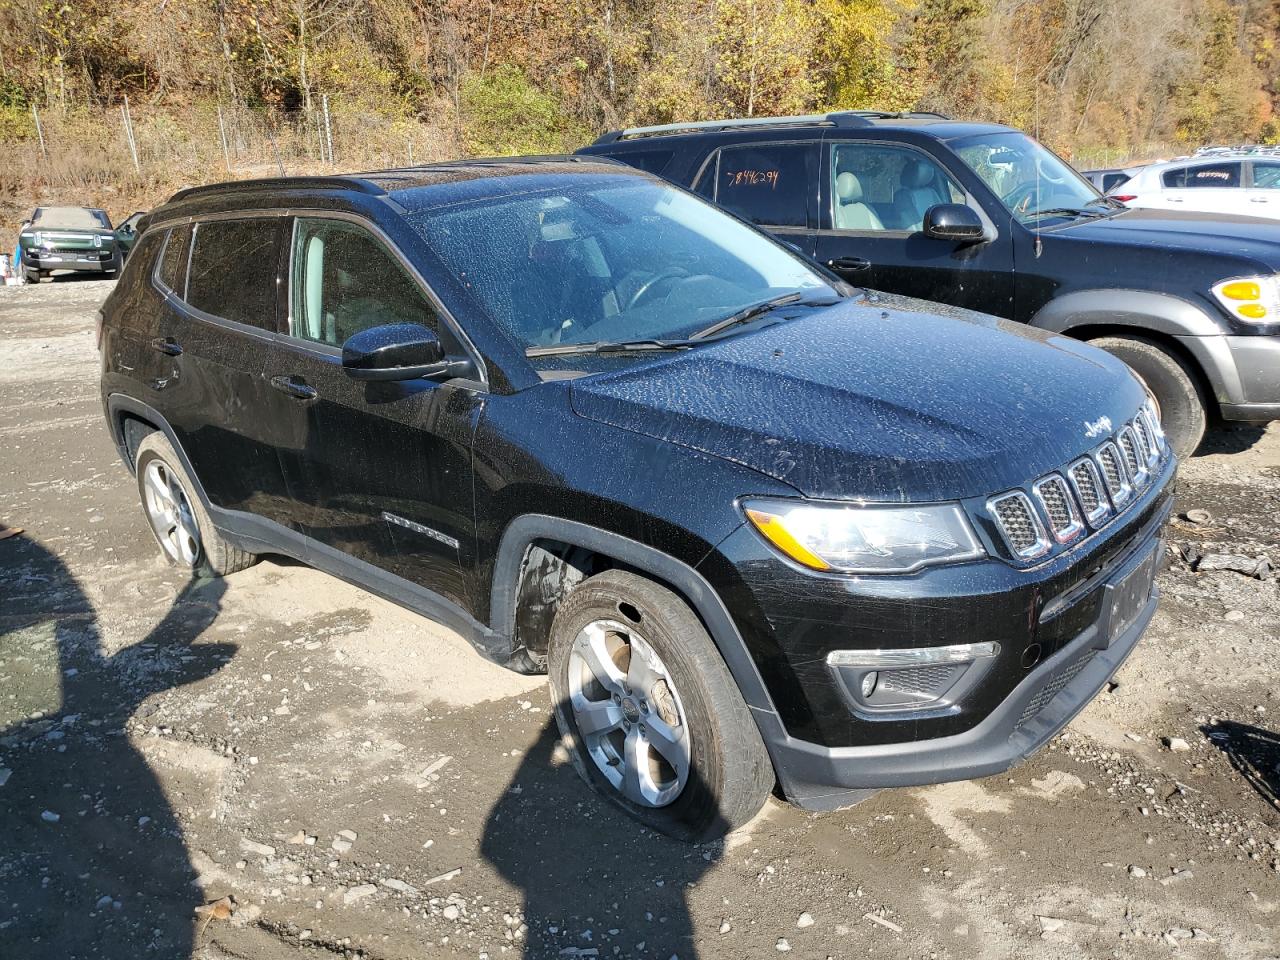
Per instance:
{"type": "Point", "coordinates": [1251, 299]}
{"type": "Point", "coordinates": [844, 538]}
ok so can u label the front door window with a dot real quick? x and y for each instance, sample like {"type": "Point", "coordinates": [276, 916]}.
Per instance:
{"type": "Point", "coordinates": [878, 187]}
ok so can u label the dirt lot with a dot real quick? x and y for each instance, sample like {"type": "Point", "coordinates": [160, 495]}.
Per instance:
{"type": "Point", "coordinates": [363, 785]}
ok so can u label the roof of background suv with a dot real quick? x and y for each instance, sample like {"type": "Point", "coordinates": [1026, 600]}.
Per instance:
{"type": "Point", "coordinates": [935, 125]}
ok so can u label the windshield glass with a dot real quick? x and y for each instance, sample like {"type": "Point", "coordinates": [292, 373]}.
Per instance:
{"type": "Point", "coordinates": [71, 218]}
{"type": "Point", "coordinates": [1026, 176]}
{"type": "Point", "coordinates": [609, 259]}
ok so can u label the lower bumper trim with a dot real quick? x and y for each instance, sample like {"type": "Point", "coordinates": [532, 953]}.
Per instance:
{"type": "Point", "coordinates": [824, 778]}
{"type": "Point", "coordinates": [1250, 412]}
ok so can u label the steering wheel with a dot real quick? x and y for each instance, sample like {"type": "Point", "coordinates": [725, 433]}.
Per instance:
{"type": "Point", "coordinates": [644, 289]}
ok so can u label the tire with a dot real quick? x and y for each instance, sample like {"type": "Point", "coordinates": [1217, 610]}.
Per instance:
{"type": "Point", "coordinates": [192, 543]}
{"type": "Point", "coordinates": [686, 691]}
{"type": "Point", "coordinates": [1182, 408]}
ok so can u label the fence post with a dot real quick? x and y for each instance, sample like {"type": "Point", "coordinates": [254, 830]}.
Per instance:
{"type": "Point", "coordinates": [39, 132]}
{"type": "Point", "coordinates": [410, 140]}
{"type": "Point", "coordinates": [128, 133]}
{"type": "Point", "coordinates": [328, 128]}
{"type": "Point", "coordinates": [222, 132]}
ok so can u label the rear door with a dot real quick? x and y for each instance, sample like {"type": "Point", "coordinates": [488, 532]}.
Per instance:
{"type": "Point", "coordinates": [1264, 189]}
{"type": "Point", "coordinates": [379, 470]}
{"type": "Point", "coordinates": [772, 185]}
{"type": "Point", "coordinates": [220, 279]}
{"type": "Point", "coordinates": [874, 198]}
{"type": "Point", "coordinates": [1206, 188]}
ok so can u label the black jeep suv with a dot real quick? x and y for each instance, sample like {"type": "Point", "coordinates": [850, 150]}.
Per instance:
{"type": "Point", "coordinates": [753, 522]}
{"type": "Point", "coordinates": [982, 216]}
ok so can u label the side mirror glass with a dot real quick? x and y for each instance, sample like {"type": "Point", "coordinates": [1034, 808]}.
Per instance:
{"type": "Point", "coordinates": [954, 221]}
{"type": "Point", "coordinates": [396, 351]}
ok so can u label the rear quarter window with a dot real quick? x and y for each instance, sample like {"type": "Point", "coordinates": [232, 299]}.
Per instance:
{"type": "Point", "coordinates": [650, 161]}
{"type": "Point", "coordinates": [172, 270]}
{"type": "Point", "coordinates": [233, 269]}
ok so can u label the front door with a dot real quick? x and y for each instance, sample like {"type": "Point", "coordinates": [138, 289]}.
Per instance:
{"type": "Point", "coordinates": [874, 199]}
{"type": "Point", "coordinates": [381, 471]}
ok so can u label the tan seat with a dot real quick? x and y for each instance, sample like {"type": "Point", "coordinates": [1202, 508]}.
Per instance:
{"type": "Point", "coordinates": [851, 213]}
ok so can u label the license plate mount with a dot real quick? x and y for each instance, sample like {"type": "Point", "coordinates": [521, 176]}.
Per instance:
{"type": "Point", "coordinates": [1127, 596]}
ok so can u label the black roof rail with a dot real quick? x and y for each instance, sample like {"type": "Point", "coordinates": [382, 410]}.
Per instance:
{"type": "Point", "coordinates": [840, 118]}
{"type": "Point", "coordinates": [356, 183]}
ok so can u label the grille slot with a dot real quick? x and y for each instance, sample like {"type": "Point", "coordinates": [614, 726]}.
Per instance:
{"type": "Point", "coordinates": [1055, 497]}
{"type": "Point", "coordinates": [1087, 484]}
{"type": "Point", "coordinates": [1053, 687]}
{"type": "Point", "coordinates": [1019, 525]}
{"type": "Point", "coordinates": [1146, 439]}
{"type": "Point", "coordinates": [1114, 474]}
{"type": "Point", "coordinates": [1135, 461]}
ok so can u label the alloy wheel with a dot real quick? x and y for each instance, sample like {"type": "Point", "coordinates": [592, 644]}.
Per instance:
{"type": "Point", "coordinates": [628, 713]}
{"type": "Point", "coordinates": [169, 511]}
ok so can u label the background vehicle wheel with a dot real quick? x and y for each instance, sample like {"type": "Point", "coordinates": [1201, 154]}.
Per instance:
{"type": "Point", "coordinates": [1182, 409]}
{"type": "Point", "coordinates": [649, 712]}
{"type": "Point", "coordinates": [182, 528]}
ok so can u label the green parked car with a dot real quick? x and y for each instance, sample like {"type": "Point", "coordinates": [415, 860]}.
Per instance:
{"type": "Point", "coordinates": [79, 239]}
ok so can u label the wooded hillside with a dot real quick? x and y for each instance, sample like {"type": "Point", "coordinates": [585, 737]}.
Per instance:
{"type": "Point", "coordinates": [1102, 81]}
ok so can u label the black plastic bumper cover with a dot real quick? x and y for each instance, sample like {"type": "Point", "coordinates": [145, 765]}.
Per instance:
{"type": "Point", "coordinates": [823, 778]}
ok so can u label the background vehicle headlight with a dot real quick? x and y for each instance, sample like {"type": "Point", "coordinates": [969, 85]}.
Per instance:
{"type": "Point", "coordinates": [1251, 299]}
{"type": "Point", "coordinates": [865, 539]}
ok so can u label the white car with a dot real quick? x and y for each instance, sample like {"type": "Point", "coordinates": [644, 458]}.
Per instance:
{"type": "Point", "coordinates": [1244, 184]}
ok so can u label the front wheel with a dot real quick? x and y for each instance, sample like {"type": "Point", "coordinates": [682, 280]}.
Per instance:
{"type": "Point", "coordinates": [1182, 410]}
{"type": "Point", "coordinates": [649, 712]}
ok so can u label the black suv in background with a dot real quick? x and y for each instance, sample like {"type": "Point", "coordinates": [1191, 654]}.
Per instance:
{"type": "Point", "coordinates": [754, 523]}
{"type": "Point", "coordinates": [982, 216]}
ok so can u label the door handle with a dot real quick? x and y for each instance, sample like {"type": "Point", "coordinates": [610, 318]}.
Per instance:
{"type": "Point", "coordinates": [849, 263]}
{"type": "Point", "coordinates": [168, 346]}
{"type": "Point", "coordinates": [294, 388]}
{"type": "Point", "coordinates": [1257, 199]}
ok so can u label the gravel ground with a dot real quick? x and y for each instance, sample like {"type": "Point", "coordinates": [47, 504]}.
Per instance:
{"type": "Point", "coordinates": [360, 784]}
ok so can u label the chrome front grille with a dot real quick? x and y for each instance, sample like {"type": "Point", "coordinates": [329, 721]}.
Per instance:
{"type": "Point", "coordinates": [1019, 524]}
{"type": "Point", "coordinates": [1059, 507]}
{"type": "Point", "coordinates": [1086, 495]}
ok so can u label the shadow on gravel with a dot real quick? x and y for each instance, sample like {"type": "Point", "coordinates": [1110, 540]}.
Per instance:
{"type": "Point", "coordinates": [1254, 752]}
{"type": "Point", "coordinates": [92, 860]}
{"type": "Point", "coordinates": [592, 878]}
{"type": "Point", "coordinates": [1231, 438]}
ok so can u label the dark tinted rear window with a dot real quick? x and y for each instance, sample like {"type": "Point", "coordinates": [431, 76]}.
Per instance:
{"type": "Point", "coordinates": [650, 161]}
{"type": "Point", "coordinates": [768, 184]}
{"type": "Point", "coordinates": [173, 260]}
{"type": "Point", "coordinates": [233, 270]}
{"type": "Point", "coordinates": [1213, 175]}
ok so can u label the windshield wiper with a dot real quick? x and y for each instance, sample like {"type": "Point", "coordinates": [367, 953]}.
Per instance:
{"type": "Point", "coordinates": [607, 346]}
{"type": "Point", "coordinates": [1066, 211]}
{"type": "Point", "coordinates": [745, 314]}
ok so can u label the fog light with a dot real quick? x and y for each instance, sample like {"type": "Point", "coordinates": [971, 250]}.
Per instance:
{"type": "Point", "coordinates": [880, 684]}
{"type": "Point", "coordinates": [869, 684]}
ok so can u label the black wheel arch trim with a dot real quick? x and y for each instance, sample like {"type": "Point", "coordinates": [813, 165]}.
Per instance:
{"type": "Point", "coordinates": [521, 533]}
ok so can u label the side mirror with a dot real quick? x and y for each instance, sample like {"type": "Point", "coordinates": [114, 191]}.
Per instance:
{"type": "Point", "coordinates": [397, 351]}
{"type": "Point", "coordinates": [954, 221]}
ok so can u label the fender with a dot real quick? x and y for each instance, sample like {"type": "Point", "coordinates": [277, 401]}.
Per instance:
{"type": "Point", "coordinates": [1141, 309]}
{"type": "Point", "coordinates": [1200, 333]}
{"type": "Point", "coordinates": [524, 530]}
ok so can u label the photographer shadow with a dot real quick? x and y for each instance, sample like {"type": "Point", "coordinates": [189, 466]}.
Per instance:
{"type": "Point", "coordinates": [592, 878]}
{"type": "Point", "coordinates": [93, 862]}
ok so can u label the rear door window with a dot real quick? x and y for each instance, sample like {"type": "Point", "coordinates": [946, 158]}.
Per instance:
{"type": "Point", "coordinates": [1208, 175]}
{"type": "Point", "coordinates": [1266, 174]}
{"type": "Point", "coordinates": [233, 270]}
{"type": "Point", "coordinates": [172, 270]}
{"type": "Point", "coordinates": [769, 184]}
{"type": "Point", "coordinates": [345, 280]}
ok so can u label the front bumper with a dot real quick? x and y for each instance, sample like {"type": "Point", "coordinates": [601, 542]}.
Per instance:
{"type": "Point", "coordinates": [822, 778]}
{"type": "Point", "coordinates": [1244, 373]}
{"type": "Point", "coordinates": [80, 261]}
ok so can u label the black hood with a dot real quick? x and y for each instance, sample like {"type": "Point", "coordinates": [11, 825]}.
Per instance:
{"type": "Point", "coordinates": [1248, 238]}
{"type": "Point", "coordinates": [864, 400]}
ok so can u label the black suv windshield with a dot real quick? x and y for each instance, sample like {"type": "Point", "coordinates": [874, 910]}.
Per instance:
{"type": "Point", "coordinates": [610, 259]}
{"type": "Point", "coordinates": [1030, 180]}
